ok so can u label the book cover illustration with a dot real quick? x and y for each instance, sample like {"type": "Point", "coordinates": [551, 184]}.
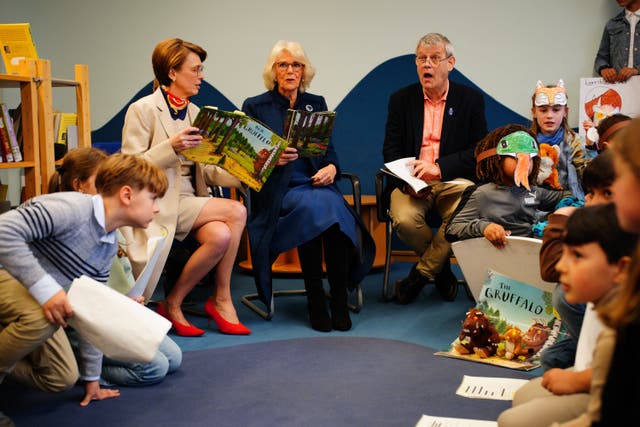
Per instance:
{"type": "Point", "coordinates": [239, 144]}
{"type": "Point", "coordinates": [309, 131]}
{"type": "Point", "coordinates": [16, 44]}
{"type": "Point", "coordinates": [599, 99]}
{"type": "Point", "coordinates": [510, 325]}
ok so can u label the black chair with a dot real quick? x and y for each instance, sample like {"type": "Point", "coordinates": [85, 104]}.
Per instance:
{"type": "Point", "coordinates": [383, 201]}
{"type": "Point", "coordinates": [356, 299]}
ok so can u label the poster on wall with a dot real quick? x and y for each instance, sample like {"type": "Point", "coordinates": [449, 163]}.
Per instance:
{"type": "Point", "coordinates": [599, 99]}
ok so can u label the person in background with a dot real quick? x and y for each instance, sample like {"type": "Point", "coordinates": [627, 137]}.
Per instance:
{"type": "Point", "coordinates": [600, 136]}
{"type": "Point", "coordinates": [507, 161]}
{"type": "Point", "coordinates": [620, 395]}
{"type": "Point", "coordinates": [158, 126]}
{"type": "Point", "coordinates": [78, 173]}
{"type": "Point", "coordinates": [597, 180]}
{"type": "Point", "coordinates": [549, 109]}
{"type": "Point", "coordinates": [436, 122]}
{"type": "Point", "coordinates": [595, 258]}
{"type": "Point", "coordinates": [617, 58]}
{"type": "Point", "coordinates": [300, 204]}
{"type": "Point", "coordinates": [45, 244]}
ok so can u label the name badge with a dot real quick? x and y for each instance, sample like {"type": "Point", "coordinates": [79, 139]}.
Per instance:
{"type": "Point", "coordinates": [530, 199]}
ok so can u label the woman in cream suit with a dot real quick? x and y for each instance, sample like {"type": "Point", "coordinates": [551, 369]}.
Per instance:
{"type": "Point", "coordinates": [159, 127]}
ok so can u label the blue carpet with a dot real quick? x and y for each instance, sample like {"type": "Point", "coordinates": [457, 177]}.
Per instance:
{"type": "Point", "coordinates": [323, 381]}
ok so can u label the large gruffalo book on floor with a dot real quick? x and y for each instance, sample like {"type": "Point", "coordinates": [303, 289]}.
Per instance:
{"type": "Point", "coordinates": [309, 131]}
{"type": "Point", "coordinates": [241, 145]}
{"type": "Point", "coordinates": [511, 324]}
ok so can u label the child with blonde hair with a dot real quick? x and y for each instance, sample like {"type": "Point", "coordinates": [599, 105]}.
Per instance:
{"type": "Point", "coordinates": [549, 110]}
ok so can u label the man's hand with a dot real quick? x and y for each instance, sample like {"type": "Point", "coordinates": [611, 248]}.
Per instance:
{"type": "Point", "coordinates": [57, 309]}
{"type": "Point", "coordinates": [424, 170]}
{"type": "Point", "coordinates": [497, 235]}
{"type": "Point", "coordinates": [94, 392]}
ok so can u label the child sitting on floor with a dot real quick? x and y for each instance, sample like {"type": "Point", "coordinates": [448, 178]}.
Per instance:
{"type": "Point", "coordinates": [595, 257]}
{"type": "Point", "coordinates": [507, 161]}
{"type": "Point", "coordinates": [45, 244]}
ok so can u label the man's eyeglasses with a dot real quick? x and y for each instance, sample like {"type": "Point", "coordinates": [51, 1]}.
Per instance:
{"type": "Point", "coordinates": [284, 66]}
{"type": "Point", "coordinates": [434, 61]}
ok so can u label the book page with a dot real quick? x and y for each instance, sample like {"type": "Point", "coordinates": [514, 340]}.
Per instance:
{"type": "Point", "coordinates": [429, 421]}
{"type": "Point", "coordinates": [489, 387]}
{"type": "Point", "coordinates": [399, 169]}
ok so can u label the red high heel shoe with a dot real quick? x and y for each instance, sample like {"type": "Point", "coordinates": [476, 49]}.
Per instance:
{"type": "Point", "coordinates": [224, 326]}
{"type": "Point", "coordinates": [187, 330]}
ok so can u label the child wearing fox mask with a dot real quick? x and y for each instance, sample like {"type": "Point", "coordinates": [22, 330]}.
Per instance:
{"type": "Point", "coordinates": [549, 110]}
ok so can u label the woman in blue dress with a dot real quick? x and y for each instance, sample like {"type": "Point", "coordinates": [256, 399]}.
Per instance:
{"type": "Point", "coordinates": [300, 205]}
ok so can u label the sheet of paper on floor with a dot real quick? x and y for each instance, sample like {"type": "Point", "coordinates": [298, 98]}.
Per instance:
{"type": "Point", "coordinates": [429, 421]}
{"type": "Point", "coordinates": [489, 387]}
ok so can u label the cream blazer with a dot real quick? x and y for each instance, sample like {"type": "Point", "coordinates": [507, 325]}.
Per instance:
{"type": "Point", "coordinates": [147, 128]}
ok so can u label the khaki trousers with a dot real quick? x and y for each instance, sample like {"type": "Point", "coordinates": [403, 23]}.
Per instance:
{"type": "Point", "coordinates": [33, 352]}
{"type": "Point", "coordinates": [409, 220]}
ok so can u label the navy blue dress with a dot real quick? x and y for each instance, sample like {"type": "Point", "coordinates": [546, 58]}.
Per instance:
{"type": "Point", "coordinates": [289, 211]}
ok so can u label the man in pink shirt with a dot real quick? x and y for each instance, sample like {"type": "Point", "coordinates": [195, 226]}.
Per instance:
{"type": "Point", "coordinates": [438, 123]}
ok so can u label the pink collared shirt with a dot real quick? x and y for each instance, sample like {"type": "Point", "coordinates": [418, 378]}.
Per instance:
{"type": "Point", "coordinates": [433, 114]}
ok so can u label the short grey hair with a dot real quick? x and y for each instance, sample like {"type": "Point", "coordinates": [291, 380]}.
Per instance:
{"type": "Point", "coordinates": [295, 49]}
{"type": "Point", "coordinates": [436, 39]}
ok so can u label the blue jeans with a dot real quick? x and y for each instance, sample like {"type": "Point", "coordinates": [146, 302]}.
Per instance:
{"type": "Point", "coordinates": [562, 354]}
{"type": "Point", "coordinates": [166, 361]}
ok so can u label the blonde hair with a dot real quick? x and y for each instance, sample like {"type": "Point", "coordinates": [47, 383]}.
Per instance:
{"type": "Point", "coordinates": [535, 128]}
{"type": "Point", "coordinates": [134, 170]}
{"type": "Point", "coordinates": [78, 164]}
{"type": "Point", "coordinates": [295, 49]}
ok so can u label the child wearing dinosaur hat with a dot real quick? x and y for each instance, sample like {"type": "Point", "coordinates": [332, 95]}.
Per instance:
{"type": "Point", "coordinates": [507, 203]}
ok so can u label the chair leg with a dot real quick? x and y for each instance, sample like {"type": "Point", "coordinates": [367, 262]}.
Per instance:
{"type": "Point", "coordinates": [386, 295]}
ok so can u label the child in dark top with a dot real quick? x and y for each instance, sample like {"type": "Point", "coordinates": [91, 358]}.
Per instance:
{"type": "Point", "coordinates": [507, 161]}
{"type": "Point", "coordinates": [48, 242]}
{"type": "Point", "coordinates": [621, 395]}
{"type": "Point", "coordinates": [595, 258]}
{"type": "Point", "coordinates": [597, 180]}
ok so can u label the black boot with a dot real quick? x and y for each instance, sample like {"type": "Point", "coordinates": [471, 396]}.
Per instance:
{"type": "Point", "coordinates": [317, 306]}
{"type": "Point", "coordinates": [340, 320]}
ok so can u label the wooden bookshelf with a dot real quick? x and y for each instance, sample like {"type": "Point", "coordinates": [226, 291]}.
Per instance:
{"type": "Point", "coordinates": [35, 84]}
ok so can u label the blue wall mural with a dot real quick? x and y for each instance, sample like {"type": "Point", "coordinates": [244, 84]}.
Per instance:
{"type": "Point", "coordinates": [361, 116]}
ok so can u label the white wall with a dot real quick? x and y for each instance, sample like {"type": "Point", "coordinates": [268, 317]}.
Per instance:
{"type": "Point", "coordinates": [504, 46]}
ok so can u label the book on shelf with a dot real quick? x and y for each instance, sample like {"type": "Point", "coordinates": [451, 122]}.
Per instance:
{"type": "Point", "coordinates": [241, 145]}
{"type": "Point", "coordinates": [5, 145]}
{"type": "Point", "coordinates": [511, 324]}
{"type": "Point", "coordinates": [61, 123]}
{"type": "Point", "coordinates": [16, 44]}
{"type": "Point", "coordinates": [309, 131]}
{"type": "Point", "coordinates": [7, 120]}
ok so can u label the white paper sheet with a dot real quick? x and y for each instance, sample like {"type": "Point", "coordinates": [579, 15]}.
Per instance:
{"type": "Point", "coordinates": [489, 387]}
{"type": "Point", "coordinates": [118, 326]}
{"type": "Point", "coordinates": [154, 248]}
{"type": "Point", "coordinates": [429, 421]}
